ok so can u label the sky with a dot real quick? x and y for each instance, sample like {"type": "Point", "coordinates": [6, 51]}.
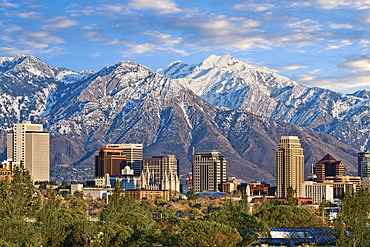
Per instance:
{"type": "Point", "coordinates": [318, 43]}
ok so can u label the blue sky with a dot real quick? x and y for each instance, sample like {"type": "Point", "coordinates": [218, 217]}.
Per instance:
{"type": "Point", "coordinates": [322, 43]}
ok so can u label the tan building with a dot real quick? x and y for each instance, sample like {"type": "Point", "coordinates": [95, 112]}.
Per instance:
{"type": "Point", "coordinates": [160, 172]}
{"type": "Point", "coordinates": [209, 171]}
{"type": "Point", "coordinates": [134, 155]}
{"type": "Point", "coordinates": [149, 194]}
{"type": "Point", "coordinates": [290, 166]}
{"type": "Point", "coordinates": [109, 160]}
{"type": "Point", "coordinates": [30, 145]}
{"type": "Point", "coordinates": [328, 167]}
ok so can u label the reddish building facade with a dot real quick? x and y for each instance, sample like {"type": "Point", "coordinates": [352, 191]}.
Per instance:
{"type": "Point", "coordinates": [109, 160]}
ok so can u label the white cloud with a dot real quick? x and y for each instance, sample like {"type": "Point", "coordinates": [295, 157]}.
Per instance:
{"type": "Point", "coordinates": [258, 7]}
{"type": "Point", "coordinates": [163, 38]}
{"type": "Point", "coordinates": [30, 15]}
{"type": "Point", "coordinates": [294, 67]}
{"type": "Point", "coordinates": [95, 54]}
{"type": "Point", "coordinates": [149, 48]}
{"type": "Point", "coordinates": [306, 77]}
{"type": "Point", "coordinates": [361, 64]}
{"type": "Point", "coordinates": [335, 4]}
{"type": "Point", "coordinates": [307, 25]}
{"type": "Point", "coordinates": [60, 24]}
{"type": "Point", "coordinates": [346, 84]}
{"type": "Point", "coordinates": [339, 45]}
{"type": "Point", "coordinates": [340, 26]}
{"type": "Point", "coordinates": [5, 3]}
{"type": "Point", "coordinates": [13, 28]}
{"type": "Point", "coordinates": [301, 4]}
{"type": "Point", "coordinates": [164, 6]}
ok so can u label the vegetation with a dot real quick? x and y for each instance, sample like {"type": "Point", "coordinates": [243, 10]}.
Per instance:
{"type": "Point", "coordinates": [352, 224]}
{"type": "Point", "coordinates": [44, 217]}
{"type": "Point", "coordinates": [289, 216]}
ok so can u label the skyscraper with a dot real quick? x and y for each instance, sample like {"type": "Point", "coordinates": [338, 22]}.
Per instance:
{"type": "Point", "coordinates": [209, 171]}
{"type": "Point", "coordinates": [328, 167]}
{"type": "Point", "coordinates": [162, 171]}
{"type": "Point", "coordinates": [109, 160]}
{"type": "Point", "coordinates": [290, 166]}
{"type": "Point", "coordinates": [134, 155]}
{"type": "Point", "coordinates": [30, 145]}
{"type": "Point", "coordinates": [364, 164]}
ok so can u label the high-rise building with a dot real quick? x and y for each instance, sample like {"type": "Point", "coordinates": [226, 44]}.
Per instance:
{"type": "Point", "coordinates": [109, 160]}
{"type": "Point", "coordinates": [328, 167]}
{"type": "Point", "coordinates": [134, 155]}
{"type": "Point", "coordinates": [290, 166]}
{"type": "Point", "coordinates": [30, 145]}
{"type": "Point", "coordinates": [209, 171]}
{"type": "Point", "coordinates": [160, 172]}
{"type": "Point", "coordinates": [364, 164]}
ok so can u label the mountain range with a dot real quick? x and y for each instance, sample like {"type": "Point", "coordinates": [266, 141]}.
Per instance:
{"type": "Point", "coordinates": [220, 104]}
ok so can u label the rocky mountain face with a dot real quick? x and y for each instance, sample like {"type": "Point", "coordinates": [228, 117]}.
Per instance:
{"type": "Point", "coordinates": [129, 103]}
{"type": "Point", "coordinates": [226, 81]}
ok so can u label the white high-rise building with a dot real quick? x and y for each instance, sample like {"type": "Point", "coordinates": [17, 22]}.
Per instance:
{"type": "Point", "coordinates": [30, 145]}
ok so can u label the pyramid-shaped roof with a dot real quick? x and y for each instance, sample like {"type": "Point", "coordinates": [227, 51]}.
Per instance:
{"type": "Point", "coordinates": [328, 157]}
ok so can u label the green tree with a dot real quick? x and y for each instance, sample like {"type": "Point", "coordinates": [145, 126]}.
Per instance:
{"type": "Point", "coordinates": [291, 197]}
{"type": "Point", "coordinates": [235, 215]}
{"type": "Point", "coordinates": [124, 210]}
{"type": "Point", "coordinates": [352, 223]}
{"type": "Point", "coordinates": [208, 233]}
{"type": "Point", "coordinates": [16, 231]}
{"type": "Point", "coordinates": [16, 195]}
{"type": "Point", "coordinates": [111, 234]}
{"type": "Point", "coordinates": [59, 226]}
{"type": "Point", "coordinates": [192, 195]}
{"type": "Point", "coordinates": [170, 228]}
{"type": "Point", "coordinates": [289, 216]}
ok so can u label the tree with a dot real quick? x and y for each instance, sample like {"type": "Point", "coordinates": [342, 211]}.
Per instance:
{"type": "Point", "coordinates": [208, 233]}
{"type": "Point", "coordinates": [192, 195]}
{"type": "Point", "coordinates": [124, 210]}
{"type": "Point", "coordinates": [16, 195]}
{"type": "Point", "coordinates": [235, 215]}
{"type": "Point", "coordinates": [289, 216]}
{"type": "Point", "coordinates": [291, 197]}
{"type": "Point", "coordinates": [352, 223]}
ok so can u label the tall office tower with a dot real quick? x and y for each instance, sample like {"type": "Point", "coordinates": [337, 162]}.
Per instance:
{"type": "Point", "coordinates": [30, 145]}
{"type": "Point", "coordinates": [364, 164]}
{"type": "Point", "coordinates": [134, 155]}
{"type": "Point", "coordinates": [161, 171]}
{"type": "Point", "coordinates": [328, 167]}
{"type": "Point", "coordinates": [290, 166]}
{"type": "Point", "coordinates": [109, 160]}
{"type": "Point", "coordinates": [209, 171]}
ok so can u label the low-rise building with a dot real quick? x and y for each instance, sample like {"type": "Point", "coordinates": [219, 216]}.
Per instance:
{"type": "Point", "coordinates": [319, 191]}
{"type": "Point", "coordinates": [149, 194]}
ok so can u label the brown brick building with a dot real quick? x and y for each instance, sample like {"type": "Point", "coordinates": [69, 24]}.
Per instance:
{"type": "Point", "coordinates": [328, 167]}
{"type": "Point", "coordinates": [109, 160]}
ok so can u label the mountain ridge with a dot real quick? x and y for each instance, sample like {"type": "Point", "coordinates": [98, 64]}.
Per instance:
{"type": "Point", "coordinates": [259, 90]}
{"type": "Point", "coordinates": [128, 102]}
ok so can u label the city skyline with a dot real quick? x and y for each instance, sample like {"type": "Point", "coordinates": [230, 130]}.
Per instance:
{"type": "Point", "coordinates": [317, 43]}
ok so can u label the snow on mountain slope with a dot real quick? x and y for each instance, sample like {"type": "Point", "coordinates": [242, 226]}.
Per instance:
{"type": "Point", "coordinates": [128, 102]}
{"type": "Point", "coordinates": [226, 81]}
